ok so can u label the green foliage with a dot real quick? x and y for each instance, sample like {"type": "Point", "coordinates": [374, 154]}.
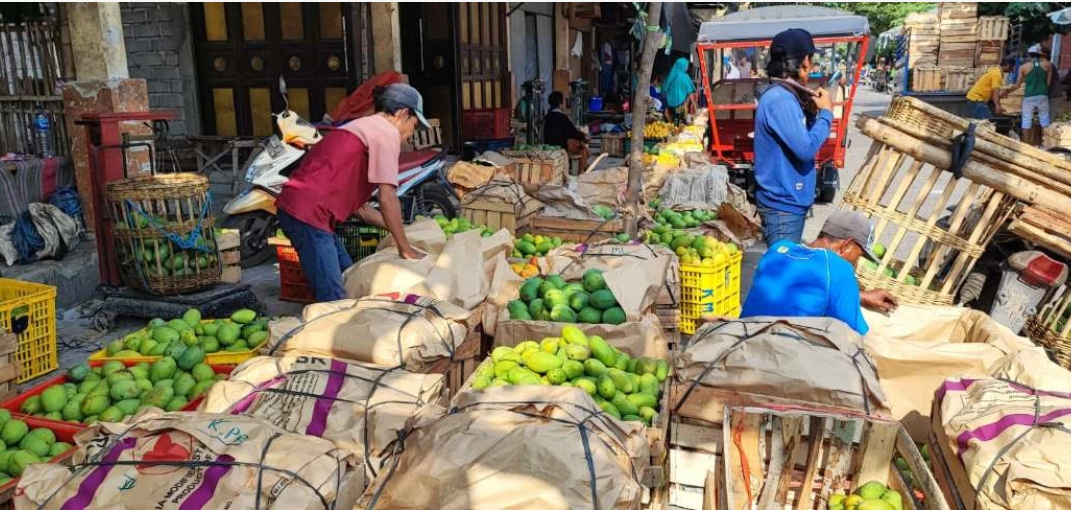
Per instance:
{"type": "Point", "coordinates": [882, 15]}
{"type": "Point", "coordinates": [1033, 16]}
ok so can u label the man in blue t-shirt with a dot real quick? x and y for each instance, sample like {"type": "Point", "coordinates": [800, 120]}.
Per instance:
{"type": "Point", "coordinates": [818, 280]}
{"type": "Point", "coordinates": [791, 124]}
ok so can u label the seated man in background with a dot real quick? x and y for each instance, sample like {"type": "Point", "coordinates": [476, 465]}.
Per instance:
{"type": "Point", "coordinates": [818, 280]}
{"type": "Point", "coordinates": [559, 130]}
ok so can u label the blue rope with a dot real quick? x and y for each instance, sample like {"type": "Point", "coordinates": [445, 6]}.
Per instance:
{"type": "Point", "coordinates": [185, 243]}
{"type": "Point", "coordinates": [26, 239]}
{"type": "Point", "coordinates": [67, 200]}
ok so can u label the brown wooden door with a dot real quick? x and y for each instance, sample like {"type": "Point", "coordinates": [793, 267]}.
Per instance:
{"type": "Point", "coordinates": [482, 35]}
{"type": "Point", "coordinates": [243, 48]}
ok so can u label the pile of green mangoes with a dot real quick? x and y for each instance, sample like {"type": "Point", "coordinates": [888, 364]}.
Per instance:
{"type": "Point", "coordinates": [530, 245]}
{"type": "Point", "coordinates": [905, 470]}
{"type": "Point", "coordinates": [554, 299]}
{"type": "Point", "coordinates": [879, 251]}
{"type": "Point", "coordinates": [625, 387]}
{"type": "Point", "coordinates": [21, 446]}
{"type": "Point", "coordinates": [173, 261]}
{"type": "Point", "coordinates": [685, 219]}
{"type": "Point", "coordinates": [869, 496]}
{"type": "Point", "coordinates": [453, 226]}
{"type": "Point", "coordinates": [242, 332]}
{"type": "Point", "coordinates": [603, 211]}
{"type": "Point", "coordinates": [114, 391]}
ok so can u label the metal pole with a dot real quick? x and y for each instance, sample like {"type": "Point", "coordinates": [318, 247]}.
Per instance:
{"type": "Point", "coordinates": [639, 118]}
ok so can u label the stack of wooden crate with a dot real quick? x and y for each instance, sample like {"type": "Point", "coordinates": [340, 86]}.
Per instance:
{"type": "Point", "coordinates": [958, 79]}
{"type": "Point", "coordinates": [959, 34]}
{"type": "Point", "coordinates": [923, 34]}
{"type": "Point", "coordinates": [926, 78]}
{"type": "Point", "coordinates": [230, 256]}
{"type": "Point", "coordinates": [992, 32]}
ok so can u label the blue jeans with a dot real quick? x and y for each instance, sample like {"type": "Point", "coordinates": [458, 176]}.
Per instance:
{"type": "Point", "coordinates": [323, 258]}
{"type": "Point", "coordinates": [779, 225]}
{"type": "Point", "coordinates": [980, 110]}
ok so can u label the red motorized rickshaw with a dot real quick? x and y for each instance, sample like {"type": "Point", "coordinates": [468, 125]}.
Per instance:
{"type": "Point", "coordinates": [733, 52]}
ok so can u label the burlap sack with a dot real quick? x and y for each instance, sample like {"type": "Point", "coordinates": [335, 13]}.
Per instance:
{"type": "Point", "coordinates": [698, 188]}
{"type": "Point", "coordinates": [242, 463]}
{"type": "Point", "coordinates": [458, 272]}
{"type": "Point", "coordinates": [917, 347]}
{"type": "Point", "coordinates": [517, 447]}
{"type": "Point", "coordinates": [813, 360]}
{"type": "Point", "coordinates": [561, 202]}
{"type": "Point", "coordinates": [1011, 440]}
{"type": "Point", "coordinates": [389, 330]}
{"type": "Point", "coordinates": [603, 187]}
{"type": "Point", "coordinates": [640, 338]}
{"type": "Point", "coordinates": [634, 273]}
{"type": "Point", "coordinates": [359, 407]}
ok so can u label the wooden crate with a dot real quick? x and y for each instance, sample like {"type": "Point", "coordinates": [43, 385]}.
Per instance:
{"type": "Point", "coordinates": [958, 79]}
{"type": "Point", "coordinates": [799, 458]}
{"type": "Point", "coordinates": [9, 367]}
{"type": "Point", "coordinates": [462, 365]}
{"type": "Point", "coordinates": [993, 28]}
{"type": "Point", "coordinates": [926, 79]}
{"type": "Point", "coordinates": [425, 138]}
{"type": "Point", "coordinates": [1011, 99]}
{"type": "Point", "coordinates": [228, 239]}
{"type": "Point", "coordinates": [669, 316]}
{"type": "Point", "coordinates": [694, 462]}
{"type": "Point", "coordinates": [957, 54]}
{"type": "Point", "coordinates": [614, 144]}
{"type": "Point", "coordinates": [496, 214]}
{"type": "Point", "coordinates": [549, 170]}
{"type": "Point", "coordinates": [988, 54]}
{"type": "Point", "coordinates": [576, 231]}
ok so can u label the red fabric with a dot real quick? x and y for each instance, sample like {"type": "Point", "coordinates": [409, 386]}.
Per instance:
{"type": "Point", "coordinates": [330, 184]}
{"type": "Point", "coordinates": [50, 166]}
{"type": "Point", "coordinates": [360, 103]}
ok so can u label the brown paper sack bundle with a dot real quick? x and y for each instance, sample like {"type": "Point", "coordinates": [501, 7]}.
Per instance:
{"type": "Point", "coordinates": [458, 271]}
{"type": "Point", "coordinates": [1011, 440]}
{"type": "Point", "coordinates": [241, 463]}
{"type": "Point", "coordinates": [389, 330]}
{"type": "Point", "coordinates": [605, 187]}
{"type": "Point", "coordinates": [806, 360]}
{"type": "Point", "coordinates": [359, 407]}
{"type": "Point", "coordinates": [917, 347]}
{"type": "Point", "coordinates": [518, 447]}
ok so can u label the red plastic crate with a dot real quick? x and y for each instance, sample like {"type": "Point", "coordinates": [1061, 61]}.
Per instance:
{"type": "Point", "coordinates": [64, 432]}
{"type": "Point", "coordinates": [15, 404]}
{"type": "Point", "coordinates": [292, 283]}
{"type": "Point", "coordinates": [485, 124]}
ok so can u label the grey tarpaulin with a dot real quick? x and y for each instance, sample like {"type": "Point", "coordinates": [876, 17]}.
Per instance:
{"type": "Point", "coordinates": [59, 231]}
{"type": "Point", "coordinates": [766, 22]}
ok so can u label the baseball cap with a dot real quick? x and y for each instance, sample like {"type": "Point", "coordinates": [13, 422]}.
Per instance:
{"type": "Point", "coordinates": [852, 225]}
{"type": "Point", "coordinates": [408, 96]}
{"type": "Point", "coordinates": [796, 43]}
{"type": "Point", "coordinates": [1033, 49]}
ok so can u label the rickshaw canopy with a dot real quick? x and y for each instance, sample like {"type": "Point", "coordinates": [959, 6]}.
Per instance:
{"type": "Point", "coordinates": [766, 22]}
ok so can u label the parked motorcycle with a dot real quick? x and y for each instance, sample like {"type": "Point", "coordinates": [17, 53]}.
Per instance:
{"type": "Point", "coordinates": [422, 185]}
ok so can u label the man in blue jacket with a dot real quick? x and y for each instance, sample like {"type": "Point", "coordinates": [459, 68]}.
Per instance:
{"type": "Point", "coordinates": [790, 126]}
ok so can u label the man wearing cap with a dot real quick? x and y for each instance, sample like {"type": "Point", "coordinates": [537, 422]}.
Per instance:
{"type": "Point", "coordinates": [791, 124]}
{"type": "Point", "coordinates": [337, 178]}
{"type": "Point", "coordinates": [1037, 75]}
{"type": "Point", "coordinates": [818, 280]}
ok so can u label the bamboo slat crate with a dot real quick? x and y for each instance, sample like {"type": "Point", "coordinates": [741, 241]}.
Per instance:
{"type": "Point", "coordinates": [958, 79]}
{"type": "Point", "coordinates": [780, 458]}
{"type": "Point", "coordinates": [483, 208]}
{"type": "Point", "coordinates": [1058, 134]}
{"type": "Point", "coordinates": [614, 144]}
{"type": "Point", "coordinates": [549, 169]}
{"type": "Point", "coordinates": [1051, 329]}
{"type": "Point", "coordinates": [570, 230]}
{"type": "Point", "coordinates": [1044, 227]}
{"type": "Point", "coordinates": [923, 33]}
{"type": "Point", "coordinates": [992, 28]}
{"type": "Point", "coordinates": [926, 79]}
{"type": "Point", "coordinates": [959, 34]}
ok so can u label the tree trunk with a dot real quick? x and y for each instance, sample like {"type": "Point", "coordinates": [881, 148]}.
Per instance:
{"type": "Point", "coordinates": [639, 118]}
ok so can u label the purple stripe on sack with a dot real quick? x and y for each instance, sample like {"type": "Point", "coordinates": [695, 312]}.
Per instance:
{"type": "Point", "coordinates": [89, 486]}
{"type": "Point", "coordinates": [411, 299]}
{"type": "Point", "coordinates": [323, 405]}
{"type": "Point", "coordinates": [963, 384]}
{"type": "Point", "coordinates": [988, 432]}
{"type": "Point", "coordinates": [243, 404]}
{"type": "Point", "coordinates": [203, 494]}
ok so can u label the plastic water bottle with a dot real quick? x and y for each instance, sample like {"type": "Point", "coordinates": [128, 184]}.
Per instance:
{"type": "Point", "coordinates": [42, 129]}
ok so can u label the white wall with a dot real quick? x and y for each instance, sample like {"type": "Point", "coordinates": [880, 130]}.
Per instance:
{"type": "Point", "coordinates": [520, 40]}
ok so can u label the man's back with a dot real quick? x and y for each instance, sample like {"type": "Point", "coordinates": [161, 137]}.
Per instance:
{"type": "Point", "coordinates": [793, 280]}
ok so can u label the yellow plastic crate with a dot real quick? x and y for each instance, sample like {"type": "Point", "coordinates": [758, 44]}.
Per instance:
{"type": "Point", "coordinates": [31, 306]}
{"type": "Point", "coordinates": [213, 358]}
{"type": "Point", "coordinates": [709, 290]}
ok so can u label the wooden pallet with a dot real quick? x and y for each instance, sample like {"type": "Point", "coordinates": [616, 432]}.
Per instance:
{"type": "Point", "coordinates": [779, 458]}
{"type": "Point", "coordinates": [576, 231]}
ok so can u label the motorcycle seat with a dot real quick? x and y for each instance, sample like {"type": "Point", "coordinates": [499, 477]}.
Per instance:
{"type": "Point", "coordinates": [413, 159]}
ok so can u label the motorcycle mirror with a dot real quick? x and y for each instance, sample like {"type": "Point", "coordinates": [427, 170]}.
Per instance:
{"type": "Point", "coordinates": [282, 85]}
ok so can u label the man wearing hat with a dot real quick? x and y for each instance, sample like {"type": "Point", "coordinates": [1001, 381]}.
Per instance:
{"type": "Point", "coordinates": [337, 178]}
{"type": "Point", "coordinates": [818, 280]}
{"type": "Point", "coordinates": [791, 124]}
{"type": "Point", "coordinates": [1036, 74]}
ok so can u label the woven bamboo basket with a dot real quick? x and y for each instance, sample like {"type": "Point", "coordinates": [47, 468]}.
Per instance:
{"type": "Point", "coordinates": [164, 232]}
{"type": "Point", "coordinates": [928, 254]}
{"type": "Point", "coordinates": [1051, 328]}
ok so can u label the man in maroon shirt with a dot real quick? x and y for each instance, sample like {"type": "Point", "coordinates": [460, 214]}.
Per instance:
{"type": "Point", "coordinates": [336, 179]}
